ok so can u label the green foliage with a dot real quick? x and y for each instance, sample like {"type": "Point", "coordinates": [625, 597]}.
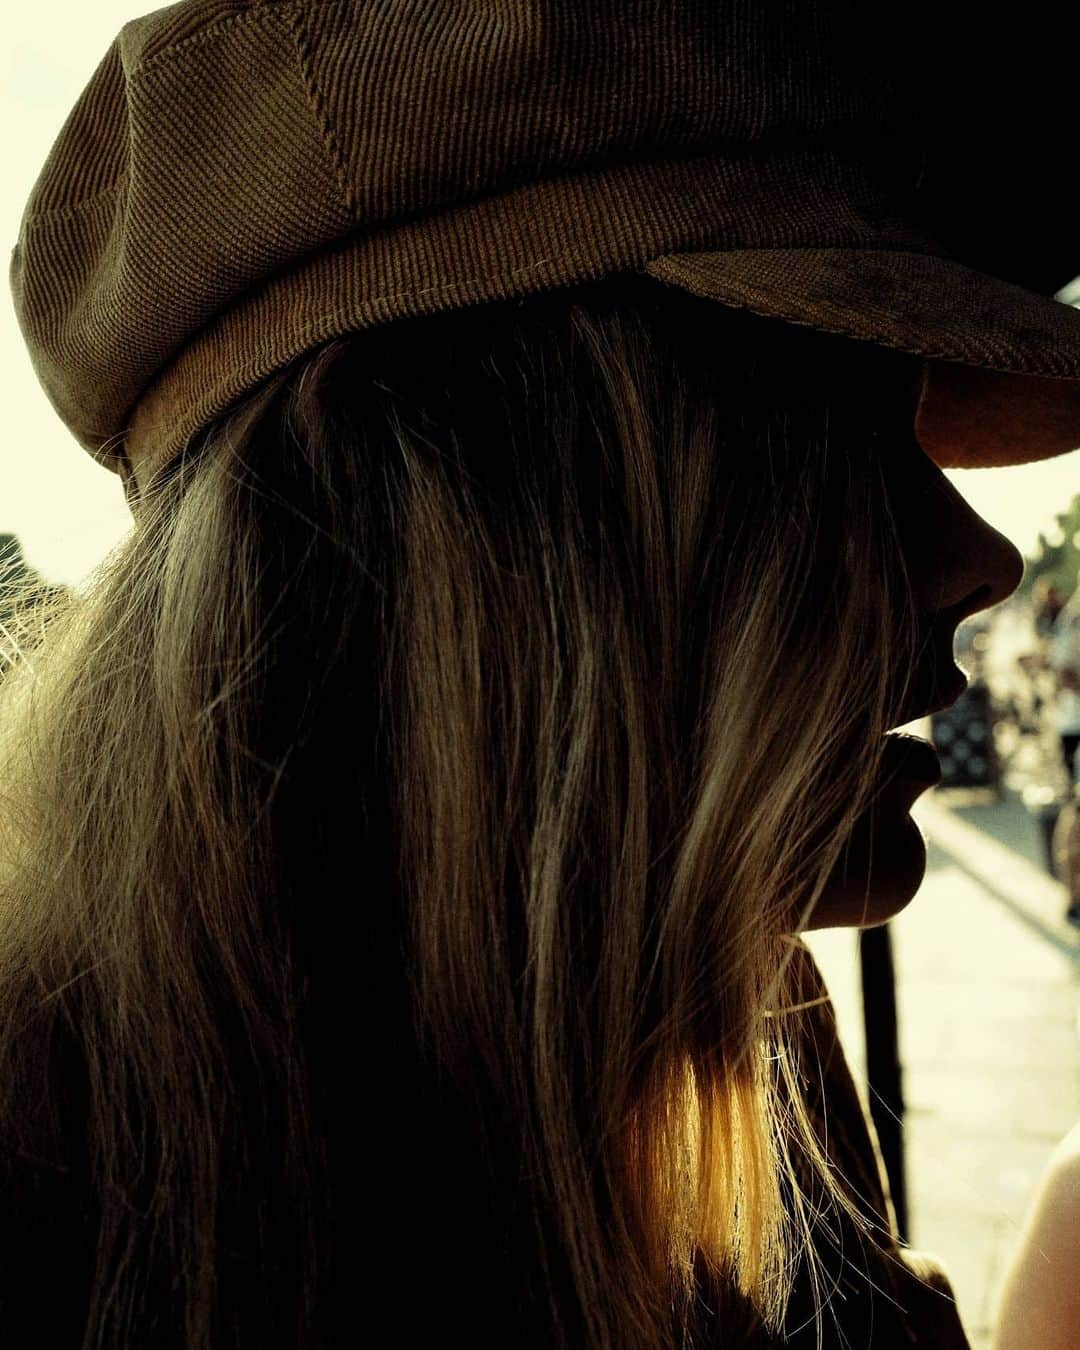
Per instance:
{"type": "Point", "coordinates": [1058, 562]}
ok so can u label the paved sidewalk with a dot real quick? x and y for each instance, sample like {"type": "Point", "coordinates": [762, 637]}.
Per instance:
{"type": "Point", "coordinates": [988, 989]}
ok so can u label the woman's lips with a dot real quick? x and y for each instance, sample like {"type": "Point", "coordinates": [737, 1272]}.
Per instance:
{"type": "Point", "coordinates": [911, 758]}
{"type": "Point", "coordinates": [934, 692]}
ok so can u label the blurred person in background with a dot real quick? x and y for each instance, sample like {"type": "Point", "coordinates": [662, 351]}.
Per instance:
{"type": "Point", "coordinates": [1026, 700]}
{"type": "Point", "coordinates": [1063, 659]}
{"type": "Point", "coordinates": [1046, 602]}
{"type": "Point", "coordinates": [1066, 853]}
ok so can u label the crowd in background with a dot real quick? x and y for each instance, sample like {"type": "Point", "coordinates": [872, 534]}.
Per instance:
{"type": "Point", "coordinates": [1023, 663]}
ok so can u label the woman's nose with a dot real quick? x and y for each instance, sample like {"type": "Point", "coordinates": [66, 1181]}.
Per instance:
{"type": "Point", "coordinates": [958, 556]}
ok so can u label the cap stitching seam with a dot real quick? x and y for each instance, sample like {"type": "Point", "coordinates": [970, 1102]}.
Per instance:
{"type": "Point", "coordinates": [279, 16]}
{"type": "Point", "coordinates": [74, 208]}
{"type": "Point", "coordinates": [654, 267]}
{"type": "Point", "coordinates": [318, 110]}
{"type": "Point", "coordinates": [271, 12]}
{"type": "Point", "coordinates": [444, 287]}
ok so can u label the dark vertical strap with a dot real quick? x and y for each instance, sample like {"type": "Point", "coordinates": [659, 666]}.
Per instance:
{"type": "Point", "coordinates": [884, 1073]}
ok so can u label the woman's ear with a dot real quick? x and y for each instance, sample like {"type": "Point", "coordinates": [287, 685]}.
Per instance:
{"type": "Point", "coordinates": [970, 418]}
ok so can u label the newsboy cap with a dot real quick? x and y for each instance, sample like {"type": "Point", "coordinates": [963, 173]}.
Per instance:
{"type": "Point", "coordinates": [242, 180]}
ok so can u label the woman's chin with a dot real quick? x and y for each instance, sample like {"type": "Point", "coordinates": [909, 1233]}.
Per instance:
{"type": "Point", "coordinates": [869, 885]}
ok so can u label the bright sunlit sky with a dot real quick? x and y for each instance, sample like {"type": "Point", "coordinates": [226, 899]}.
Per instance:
{"type": "Point", "coordinates": [67, 510]}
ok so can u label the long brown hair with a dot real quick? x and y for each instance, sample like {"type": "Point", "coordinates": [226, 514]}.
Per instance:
{"type": "Point", "coordinates": [405, 829]}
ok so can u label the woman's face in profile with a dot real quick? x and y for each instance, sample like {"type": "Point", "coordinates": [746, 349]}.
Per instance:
{"type": "Point", "coordinates": [958, 565]}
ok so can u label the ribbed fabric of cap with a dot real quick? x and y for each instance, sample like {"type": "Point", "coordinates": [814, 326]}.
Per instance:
{"type": "Point", "coordinates": [241, 181]}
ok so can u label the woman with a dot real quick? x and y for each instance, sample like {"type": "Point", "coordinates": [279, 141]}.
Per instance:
{"type": "Point", "coordinates": [523, 672]}
{"type": "Point", "coordinates": [407, 836]}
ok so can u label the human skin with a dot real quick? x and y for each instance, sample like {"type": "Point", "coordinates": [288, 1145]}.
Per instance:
{"type": "Point", "coordinates": [958, 565]}
{"type": "Point", "coordinates": [1039, 1307]}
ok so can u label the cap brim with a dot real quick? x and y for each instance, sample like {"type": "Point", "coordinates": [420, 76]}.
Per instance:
{"type": "Point", "coordinates": [1003, 376]}
{"type": "Point", "coordinates": [971, 418]}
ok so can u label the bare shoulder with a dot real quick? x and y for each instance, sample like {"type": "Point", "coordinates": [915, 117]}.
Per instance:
{"type": "Point", "coordinates": [1057, 1212]}
{"type": "Point", "coordinates": [1040, 1301]}
{"type": "Point", "coordinates": [1064, 1166]}
{"type": "Point", "coordinates": [1054, 1225]}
